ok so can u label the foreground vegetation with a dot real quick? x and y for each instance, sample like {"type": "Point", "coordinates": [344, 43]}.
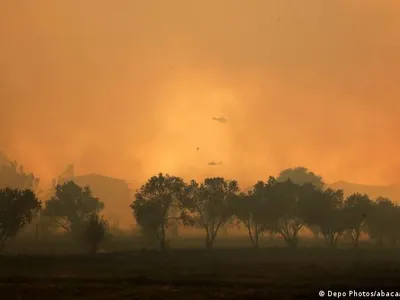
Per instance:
{"type": "Point", "coordinates": [295, 202]}
{"type": "Point", "coordinates": [224, 273]}
{"type": "Point", "coordinates": [288, 238]}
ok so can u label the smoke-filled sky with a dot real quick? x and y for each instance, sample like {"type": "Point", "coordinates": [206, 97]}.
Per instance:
{"type": "Point", "coordinates": [128, 88]}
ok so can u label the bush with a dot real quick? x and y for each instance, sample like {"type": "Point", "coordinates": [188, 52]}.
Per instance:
{"type": "Point", "coordinates": [95, 231]}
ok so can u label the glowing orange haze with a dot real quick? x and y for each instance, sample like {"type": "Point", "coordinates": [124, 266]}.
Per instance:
{"type": "Point", "coordinates": [128, 88]}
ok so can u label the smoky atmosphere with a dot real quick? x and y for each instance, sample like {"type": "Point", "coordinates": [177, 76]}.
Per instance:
{"type": "Point", "coordinates": [250, 148]}
{"type": "Point", "coordinates": [130, 89]}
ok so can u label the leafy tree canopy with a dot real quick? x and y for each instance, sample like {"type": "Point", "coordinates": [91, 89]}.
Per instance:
{"type": "Point", "coordinates": [301, 175]}
{"type": "Point", "coordinates": [95, 231]}
{"type": "Point", "coordinates": [153, 203]}
{"type": "Point", "coordinates": [71, 205]}
{"type": "Point", "coordinates": [206, 205]}
{"type": "Point", "coordinates": [17, 208]}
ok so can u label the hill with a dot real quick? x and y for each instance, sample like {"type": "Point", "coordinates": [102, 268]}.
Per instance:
{"type": "Point", "coordinates": [390, 191]}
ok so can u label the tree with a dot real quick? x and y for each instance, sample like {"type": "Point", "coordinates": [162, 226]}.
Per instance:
{"type": "Point", "coordinates": [356, 208]}
{"type": "Point", "coordinates": [383, 221]}
{"type": "Point", "coordinates": [323, 209]}
{"type": "Point", "coordinates": [332, 227]}
{"type": "Point", "coordinates": [13, 175]}
{"type": "Point", "coordinates": [71, 206]}
{"type": "Point", "coordinates": [206, 205]}
{"type": "Point", "coordinates": [45, 225]}
{"type": "Point", "coordinates": [174, 223]}
{"type": "Point", "coordinates": [251, 210]}
{"type": "Point", "coordinates": [96, 230]}
{"type": "Point", "coordinates": [301, 175]}
{"type": "Point", "coordinates": [17, 208]}
{"type": "Point", "coordinates": [284, 205]}
{"type": "Point", "coordinates": [153, 203]}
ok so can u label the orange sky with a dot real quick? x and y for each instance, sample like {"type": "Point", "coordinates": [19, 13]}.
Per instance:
{"type": "Point", "coordinates": [128, 88]}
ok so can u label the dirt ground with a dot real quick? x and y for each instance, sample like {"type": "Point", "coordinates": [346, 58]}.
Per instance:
{"type": "Point", "coordinates": [269, 273]}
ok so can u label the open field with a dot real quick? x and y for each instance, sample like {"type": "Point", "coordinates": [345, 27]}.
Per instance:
{"type": "Point", "coordinates": [194, 273]}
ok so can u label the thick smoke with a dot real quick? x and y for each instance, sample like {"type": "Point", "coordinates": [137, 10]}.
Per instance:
{"type": "Point", "coordinates": [129, 88]}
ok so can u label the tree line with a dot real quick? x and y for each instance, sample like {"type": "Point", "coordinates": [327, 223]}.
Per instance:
{"type": "Point", "coordinates": [277, 206]}
{"type": "Point", "coordinates": [295, 200]}
{"type": "Point", "coordinates": [71, 207]}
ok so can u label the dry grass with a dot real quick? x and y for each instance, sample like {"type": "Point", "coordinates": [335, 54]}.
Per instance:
{"type": "Point", "coordinates": [194, 273]}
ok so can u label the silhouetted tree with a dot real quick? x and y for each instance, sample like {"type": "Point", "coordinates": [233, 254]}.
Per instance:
{"type": "Point", "coordinates": [301, 175]}
{"type": "Point", "coordinates": [323, 209]}
{"type": "Point", "coordinates": [71, 206]}
{"type": "Point", "coordinates": [206, 205]}
{"type": "Point", "coordinates": [283, 202]}
{"type": "Point", "coordinates": [95, 231]}
{"type": "Point", "coordinates": [333, 227]}
{"type": "Point", "coordinates": [174, 222]}
{"type": "Point", "coordinates": [252, 211]}
{"type": "Point", "coordinates": [45, 224]}
{"type": "Point", "coordinates": [17, 208]}
{"type": "Point", "coordinates": [153, 202]}
{"type": "Point", "coordinates": [382, 221]}
{"type": "Point", "coordinates": [356, 208]}
{"type": "Point", "coordinates": [13, 175]}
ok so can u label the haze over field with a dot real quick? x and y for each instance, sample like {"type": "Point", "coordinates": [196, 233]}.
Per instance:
{"type": "Point", "coordinates": [129, 88]}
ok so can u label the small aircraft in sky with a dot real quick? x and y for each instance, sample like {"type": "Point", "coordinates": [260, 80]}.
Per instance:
{"type": "Point", "coordinates": [213, 163]}
{"type": "Point", "coordinates": [220, 119]}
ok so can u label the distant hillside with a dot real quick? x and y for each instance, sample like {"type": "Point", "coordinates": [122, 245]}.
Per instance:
{"type": "Point", "coordinates": [390, 191]}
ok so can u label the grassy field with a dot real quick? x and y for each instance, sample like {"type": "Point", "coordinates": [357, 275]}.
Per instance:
{"type": "Point", "coordinates": [190, 272]}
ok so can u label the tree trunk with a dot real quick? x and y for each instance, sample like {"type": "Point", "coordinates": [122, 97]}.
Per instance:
{"type": "Point", "coordinates": [291, 241]}
{"type": "Point", "coordinates": [355, 237]}
{"type": "Point", "coordinates": [356, 241]}
{"type": "Point", "coordinates": [210, 237]}
{"type": "Point", "coordinates": [332, 241]}
{"type": "Point", "coordinates": [256, 239]}
{"type": "Point", "coordinates": [209, 242]}
{"type": "Point", "coordinates": [356, 244]}
{"type": "Point", "coordinates": [332, 238]}
{"type": "Point", "coordinates": [294, 242]}
{"type": "Point", "coordinates": [162, 238]}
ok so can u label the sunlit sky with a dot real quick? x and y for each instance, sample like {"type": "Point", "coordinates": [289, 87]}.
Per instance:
{"type": "Point", "coordinates": [128, 88]}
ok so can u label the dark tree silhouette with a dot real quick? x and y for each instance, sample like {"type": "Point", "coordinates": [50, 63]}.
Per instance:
{"type": "Point", "coordinates": [301, 175]}
{"type": "Point", "coordinates": [96, 230]}
{"type": "Point", "coordinates": [332, 227]}
{"type": "Point", "coordinates": [356, 208]}
{"type": "Point", "coordinates": [323, 209]}
{"type": "Point", "coordinates": [252, 211]}
{"type": "Point", "coordinates": [71, 206]}
{"type": "Point", "coordinates": [383, 222]}
{"type": "Point", "coordinates": [17, 208]}
{"type": "Point", "coordinates": [153, 203]}
{"type": "Point", "coordinates": [206, 205]}
{"type": "Point", "coordinates": [13, 175]}
{"type": "Point", "coordinates": [286, 211]}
